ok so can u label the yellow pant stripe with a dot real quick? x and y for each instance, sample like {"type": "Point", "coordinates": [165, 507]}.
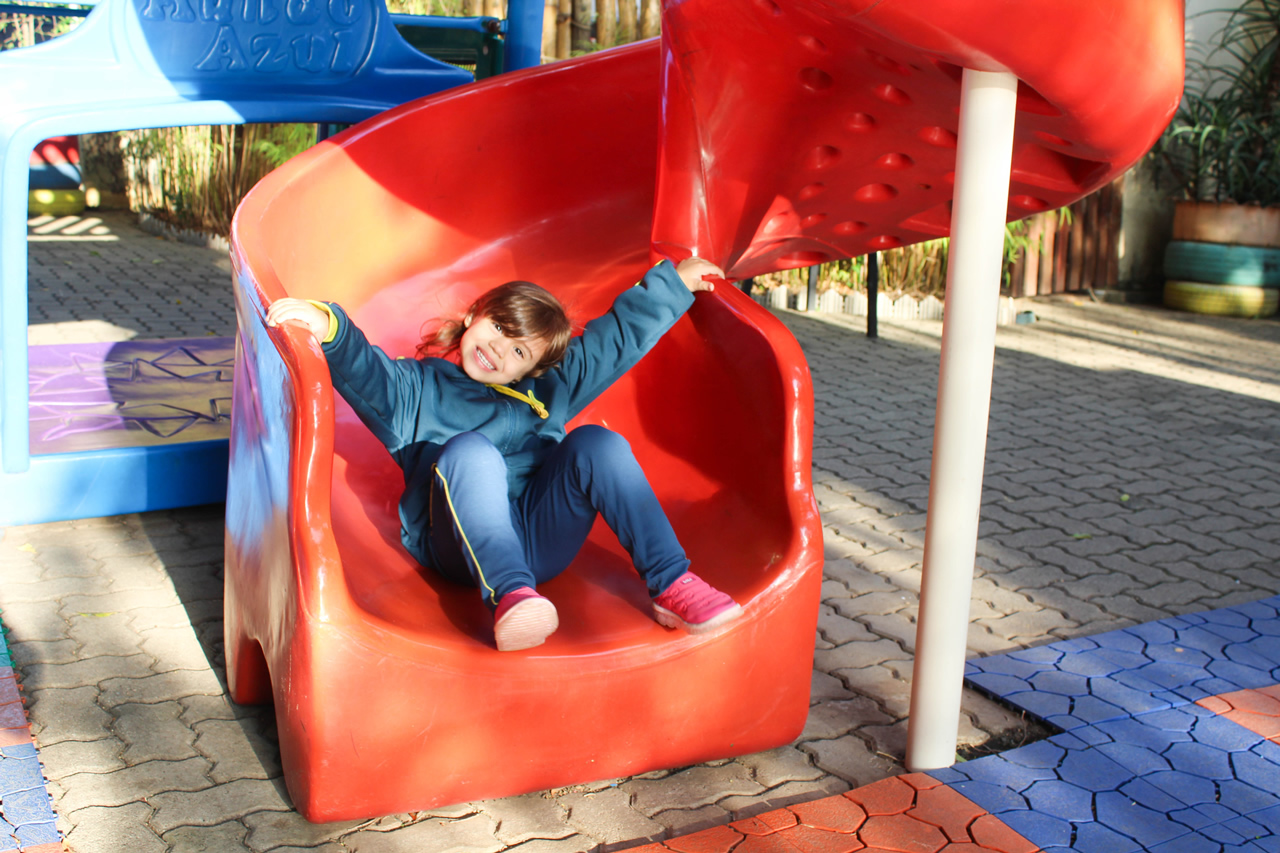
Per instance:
{"type": "Point", "coordinates": [479, 571]}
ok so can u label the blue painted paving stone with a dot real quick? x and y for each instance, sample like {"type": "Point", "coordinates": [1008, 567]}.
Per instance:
{"type": "Point", "coordinates": [998, 684]}
{"type": "Point", "coordinates": [1004, 665]}
{"type": "Point", "coordinates": [1092, 735]}
{"type": "Point", "coordinates": [1078, 645]}
{"type": "Point", "coordinates": [1182, 719]}
{"type": "Point", "coordinates": [1187, 788]}
{"type": "Point", "coordinates": [1270, 818]}
{"type": "Point", "coordinates": [1144, 793]}
{"type": "Point", "coordinates": [38, 833]}
{"type": "Point", "coordinates": [1095, 837]}
{"type": "Point", "coordinates": [950, 775]}
{"type": "Point", "coordinates": [1043, 705]}
{"type": "Point", "coordinates": [1243, 675]}
{"type": "Point", "coordinates": [1247, 828]}
{"type": "Point", "coordinates": [1166, 674]}
{"type": "Point", "coordinates": [1135, 701]}
{"type": "Point", "coordinates": [1203, 638]}
{"type": "Point", "coordinates": [1194, 843]}
{"type": "Point", "coordinates": [1042, 830]}
{"type": "Point", "coordinates": [1095, 664]}
{"type": "Point", "coordinates": [1138, 760]}
{"type": "Point", "coordinates": [1181, 652]}
{"type": "Point", "coordinates": [1060, 683]}
{"type": "Point", "coordinates": [1043, 754]}
{"type": "Point", "coordinates": [1201, 759]}
{"type": "Point", "coordinates": [1040, 654]}
{"type": "Point", "coordinates": [998, 770]}
{"type": "Point", "coordinates": [1093, 771]}
{"type": "Point", "coordinates": [1061, 800]}
{"type": "Point", "coordinates": [1191, 818]}
{"type": "Point", "coordinates": [1244, 798]}
{"type": "Point", "coordinates": [27, 807]}
{"type": "Point", "coordinates": [1135, 820]}
{"type": "Point", "coordinates": [19, 775]}
{"type": "Point", "coordinates": [1154, 633]}
{"type": "Point", "coordinates": [997, 799]}
{"type": "Point", "coordinates": [1120, 641]}
{"type": "Point", "coordinates": [1225, 734]}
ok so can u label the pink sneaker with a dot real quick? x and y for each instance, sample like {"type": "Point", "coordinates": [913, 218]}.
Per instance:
{"type": "Point", "coordinates": [695, 605]}
{"type": "Point", "coordinates": [523, 620]}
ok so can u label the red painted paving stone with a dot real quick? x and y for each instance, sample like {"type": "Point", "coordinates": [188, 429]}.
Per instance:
{"type": "Point", "coordinates": [949, 810]}
{"type": "Point", "coordinates": [914, 813]}
{"type": "Point", "coordinates": [720, 839]}
{"type": "Point", "coordinates": [888, 796]}
{"type": "Point", "coordinates": [902, 833]}
{"type": "Point", "coordinates": [1258, 710]}
{"type": "Point", "coordinates": [767, 823]}
{"type": "Point", "coordinates": [837, 814]}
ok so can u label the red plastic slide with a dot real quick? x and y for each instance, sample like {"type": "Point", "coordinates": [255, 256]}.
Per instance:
{"type": "Point", "coordinates": [775, 135]}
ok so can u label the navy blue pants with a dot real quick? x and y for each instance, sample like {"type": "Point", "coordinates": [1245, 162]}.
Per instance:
{"type": "Point", "coordinates": [482, 538]}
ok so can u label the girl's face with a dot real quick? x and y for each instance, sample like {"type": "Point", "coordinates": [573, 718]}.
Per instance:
{"type": "Point", "coordinates": [491, 357]}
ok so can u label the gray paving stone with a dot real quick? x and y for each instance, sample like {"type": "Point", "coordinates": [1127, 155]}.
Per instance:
{"type": "Point", "coordinates": [686, 821]}
{"type": "Point", "coordinates": [66, 714]}
{"type": "Point", "coordinates": [829, 720]}
{"type": "Point", "coordinates": [851, 759]}
{"type": "Point", "coordinates": [786, 794]}
{"type": "Point", "coordinates": [236, 751]}
{"type": "Point", "coordinates": [89, 671]}
{"type": "Point", "coordinates": [174, 648]}
{"type": "Point", "coordinates": [698, 786]}
{"type": "Point", "coordinates": [115, 830]}
{"type": "Point", "coordinates": [269, 830]}
{"type": "Point", "coordinates": [215, 804]}
{"type": "Point", "coordinates": [73, 756]}
{"type": "Point", "coordinates": [572, 844]}
{"type": "Point", "coordinates": [207, 839]}
{"type": "Point", "coordinates": [163, 687]}
{"type": "Point", "coordinates": [607, 817]}
{"type": "Point", "coordinates": [102, 633]}
{"type": "Point", "coordinates": [527, 817]}
{"type": "Point", "coordinates": [473, 834]}
{"type": "Point", "coordinates": [774, 767]}
{"type": "Point", "coordinates": [133, 784]}
{"type": "Point", "coordinates": [857, 655]}
{"type": "Point", "coordinates": [153, 732]}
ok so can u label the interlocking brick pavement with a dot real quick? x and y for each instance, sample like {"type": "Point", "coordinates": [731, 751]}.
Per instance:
{"type": "Point", "coordinates": [1132, 474]}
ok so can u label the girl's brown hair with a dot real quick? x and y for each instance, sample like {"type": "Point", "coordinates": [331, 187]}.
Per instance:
{"type": "Point", "coordinates": [523, 309]}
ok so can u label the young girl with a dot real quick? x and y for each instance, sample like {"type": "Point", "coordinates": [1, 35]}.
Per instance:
{"type": "Point", "coordinates": [497, 494]}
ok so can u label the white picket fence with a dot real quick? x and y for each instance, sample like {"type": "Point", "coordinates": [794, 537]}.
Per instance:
{"type": "Point", "coordinates": [902, 308]}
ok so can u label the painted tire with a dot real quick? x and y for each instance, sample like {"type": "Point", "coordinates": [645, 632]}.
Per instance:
{"type": "Point", "coordinates": [55, 202]}
{"type": "Point", "coordinates": [1226, 300]}
{"type": "Point", "coordinates": [1222, 263]}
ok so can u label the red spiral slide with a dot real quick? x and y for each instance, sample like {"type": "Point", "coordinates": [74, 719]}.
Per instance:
{"type": "Point", "coordinates": [761, 135]}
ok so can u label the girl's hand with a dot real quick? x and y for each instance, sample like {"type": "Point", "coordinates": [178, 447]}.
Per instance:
{"type": "Point", "coordinates": [691, 271]}
{"type": "Point", "coordinates": [301, 311]}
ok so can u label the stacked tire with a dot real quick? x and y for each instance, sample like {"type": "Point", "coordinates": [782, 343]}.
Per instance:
{"type": "Point", "coordinates": [1224, 262]}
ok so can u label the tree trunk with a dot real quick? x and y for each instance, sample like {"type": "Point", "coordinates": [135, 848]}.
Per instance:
{"type": "Point", "coordinates": [626, 21]}
{"type": "Point", "coordinates": [606, 22]}
{"type": "Point", "coordinates": [650, 18]}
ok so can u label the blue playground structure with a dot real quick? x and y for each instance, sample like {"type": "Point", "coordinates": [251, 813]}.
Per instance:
{"type": "Point", "coordinates": [169, 63]}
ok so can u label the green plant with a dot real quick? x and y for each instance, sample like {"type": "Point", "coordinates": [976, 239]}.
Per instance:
{"type": "Point", "coordinates": [1223, 141]}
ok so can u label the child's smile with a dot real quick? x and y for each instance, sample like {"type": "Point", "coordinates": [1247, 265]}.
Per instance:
{"type": "Point", "coordinates": [490, 356]}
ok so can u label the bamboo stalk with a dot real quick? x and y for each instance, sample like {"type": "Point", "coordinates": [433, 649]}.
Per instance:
{"type": "Point", "coordinates": [626, 21]}
{"type": "Point", "coordinates": [650, 18]}
{"type": "Point", "coordinates": [606, 23]}
{"type": "Point", "coordinates": [564, 29]}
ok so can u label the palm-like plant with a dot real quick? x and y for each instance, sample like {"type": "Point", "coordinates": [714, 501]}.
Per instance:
{"type": "Point", "coordinates": [1223, 142]}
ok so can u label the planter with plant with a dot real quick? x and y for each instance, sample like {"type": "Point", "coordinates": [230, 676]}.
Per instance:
{"type": "Point", "coordinates": [1221, 152]}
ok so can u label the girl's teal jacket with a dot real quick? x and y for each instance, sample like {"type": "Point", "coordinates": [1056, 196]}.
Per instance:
{"type": "Point", "coordinates": [413, 406]}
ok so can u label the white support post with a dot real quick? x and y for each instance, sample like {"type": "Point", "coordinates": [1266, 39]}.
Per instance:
{"type": "Point", "coordinates": [987, 105]}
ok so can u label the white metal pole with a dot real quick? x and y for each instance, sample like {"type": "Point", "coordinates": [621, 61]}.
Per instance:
{"type": "Point", "coordinates": [987, 104]}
